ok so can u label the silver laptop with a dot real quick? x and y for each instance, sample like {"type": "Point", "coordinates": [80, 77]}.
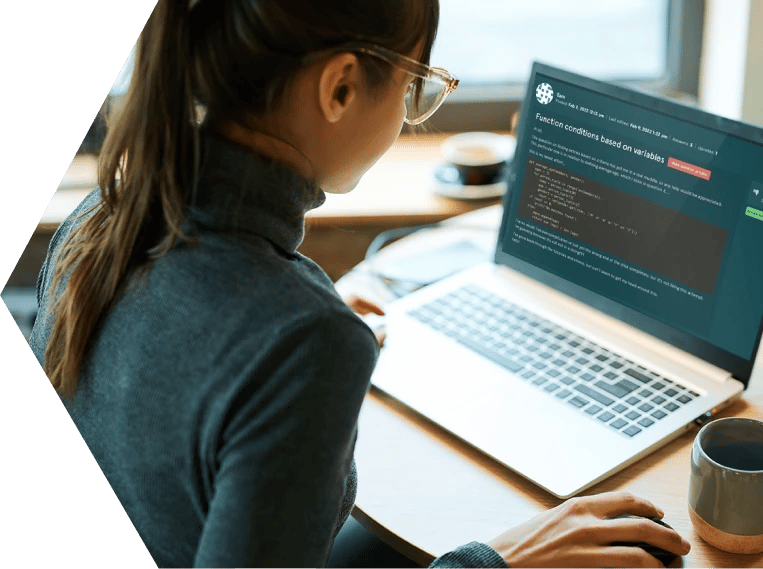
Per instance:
{"type": "Point", "coordinates": [624, 302]}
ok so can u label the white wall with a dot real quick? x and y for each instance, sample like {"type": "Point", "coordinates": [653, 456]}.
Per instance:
{"type": "Point", "coordinates": [731, 69]}
{"type": "Point", "coordinates": [752, 105]}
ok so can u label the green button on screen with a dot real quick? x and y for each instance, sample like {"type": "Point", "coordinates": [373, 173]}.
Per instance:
{"type": "Point", "coordinates": [756, 213]}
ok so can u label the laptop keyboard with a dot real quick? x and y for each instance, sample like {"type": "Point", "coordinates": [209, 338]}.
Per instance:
{"type": "Point", "coordinates": [608, 388]}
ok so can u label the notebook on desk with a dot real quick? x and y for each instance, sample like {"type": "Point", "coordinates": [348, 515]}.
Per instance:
{"type": "Point", "coordinates": [624, 298]}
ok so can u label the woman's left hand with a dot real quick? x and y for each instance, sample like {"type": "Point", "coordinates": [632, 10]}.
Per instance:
{"type": "Point", "coordinates": [364, 307]}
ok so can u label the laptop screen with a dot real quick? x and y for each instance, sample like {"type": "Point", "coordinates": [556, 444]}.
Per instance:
{"type": "Point", "coordinates": [646, 209]}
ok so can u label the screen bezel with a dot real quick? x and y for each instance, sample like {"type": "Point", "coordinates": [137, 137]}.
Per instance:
{"type": "Point", "coordinates": [739, 367]}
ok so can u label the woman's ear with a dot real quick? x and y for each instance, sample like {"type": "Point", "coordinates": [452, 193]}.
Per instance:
{"type": "Point", "coordinates": [338, 86]}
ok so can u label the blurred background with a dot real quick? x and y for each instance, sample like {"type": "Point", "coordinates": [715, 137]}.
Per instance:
{"type": "Point", "coordinates": [702, 52]}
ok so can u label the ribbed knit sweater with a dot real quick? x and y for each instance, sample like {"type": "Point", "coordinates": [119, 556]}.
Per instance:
{"type": "Point", "coordinates": [221, 392]}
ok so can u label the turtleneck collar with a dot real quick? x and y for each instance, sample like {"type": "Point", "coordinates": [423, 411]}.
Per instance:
{"type": "Point", "coordinates": [241, 191]}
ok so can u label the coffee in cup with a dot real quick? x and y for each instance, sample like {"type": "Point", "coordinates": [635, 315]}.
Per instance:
{"type": "Point", "coordinates": [475, 165]}
{"type": "Point", "coordinates": [726, 484]}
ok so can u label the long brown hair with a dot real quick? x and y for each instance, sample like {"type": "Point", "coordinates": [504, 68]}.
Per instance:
{"type": "Point", "coordinates": [229, 58]}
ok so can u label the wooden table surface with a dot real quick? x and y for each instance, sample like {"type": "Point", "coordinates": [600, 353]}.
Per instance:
{"type": "Point", "coordinates": [397, 189]}
{"type": "Point", "coordinates": [425, 492]}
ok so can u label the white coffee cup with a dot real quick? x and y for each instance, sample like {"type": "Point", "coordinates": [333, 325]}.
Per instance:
{"type": "Point", "coordinates": [478, 157]}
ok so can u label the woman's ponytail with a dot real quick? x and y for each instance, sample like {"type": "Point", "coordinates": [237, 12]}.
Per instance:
{"type": "Point", "coordinates": [236, 57]}
{"type": "Point", "coordinates": [147, 169]}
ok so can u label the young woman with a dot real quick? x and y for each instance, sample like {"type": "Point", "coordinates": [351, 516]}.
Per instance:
{"type": "Point", "coordinates": [212, 370]}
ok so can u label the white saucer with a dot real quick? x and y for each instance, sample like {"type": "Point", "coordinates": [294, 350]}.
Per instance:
{"type": "Point", "coordinates": [461, 192]}
{"type": "Point", "coordinates": [446, 184]}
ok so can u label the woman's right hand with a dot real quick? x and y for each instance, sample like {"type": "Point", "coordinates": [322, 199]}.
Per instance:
{"type": "Point", "coordinates": [579, 533]}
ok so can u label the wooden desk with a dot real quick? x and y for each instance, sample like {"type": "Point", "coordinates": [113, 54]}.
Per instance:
{"type": "Point", "coordinates": [425, 492]}
{"type": "Point", "coordinates": [396, 192]}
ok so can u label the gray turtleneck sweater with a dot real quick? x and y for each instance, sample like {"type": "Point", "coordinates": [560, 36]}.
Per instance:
{"type": "Point", "coordinates": [221, 392]}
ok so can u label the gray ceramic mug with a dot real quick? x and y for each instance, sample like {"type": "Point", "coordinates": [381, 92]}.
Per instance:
{"type": "Point", "coordinates": [726, 484]}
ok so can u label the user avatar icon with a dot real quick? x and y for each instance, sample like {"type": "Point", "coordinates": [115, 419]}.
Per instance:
{"type": "Point", "coordinates": [544, 93]}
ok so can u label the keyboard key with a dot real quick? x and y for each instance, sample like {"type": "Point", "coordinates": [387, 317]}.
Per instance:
{"type": "Point", "coordinates": [659, 414]}
{"type": "Point", "coordinates": [644, 393]}
{"type": "Point", "coordinates": [619, 408]}
{"type": "Point", "coordinates": [633, 401]}
{"type": "Point", "coordinates": [659, 400]}
{"type": "Point", "coordinates": [633, 415]}
{"type": "Point", "coordinates": [657, 386]}
{"type": "Point", "coordinates": [593, 394]}
{"type": "Point", "coordinates": [509, 363]}
{"type": "Point", "coordinates": [619, 389]}
{"type": "Point", "coordinates": [646, 407]}
{"type": "Point", "coordinates": [423, 317]}
{"type": "Point", "coordinates": [632, 430]}
{"type": "Point", "coordinates": [645, 422]}
{"type": "Point", "coordinates": [684, 399]}
{"type": "Point", "coordinates": [671, 406]}
{"type": "Point", "coordinates": [434, 308]}
{"type": "Point", "coordinates": [694, 393]}
{"type": "Point", "coordinates": [538, 351]}
{"type": "Point", "coordinates": [670, 392]}
{"type": "Point", "coordinates": [637, 375]}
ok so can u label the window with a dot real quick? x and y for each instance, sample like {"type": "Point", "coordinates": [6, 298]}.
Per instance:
{"type": "Point", "coordinates": [490, 46]}
{"type": "Point", "coordinates": [494, 41]}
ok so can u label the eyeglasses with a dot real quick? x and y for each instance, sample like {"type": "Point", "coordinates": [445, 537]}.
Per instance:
{"type": "Point", "coordinates": [425, 93]}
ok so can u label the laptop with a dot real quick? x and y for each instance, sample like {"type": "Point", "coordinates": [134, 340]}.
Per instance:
{"type": "Point", "coordinates": [623, 304]}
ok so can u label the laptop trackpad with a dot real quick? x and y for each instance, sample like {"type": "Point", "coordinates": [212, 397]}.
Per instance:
{"type": "Point", "coordinates": [516, 424]}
